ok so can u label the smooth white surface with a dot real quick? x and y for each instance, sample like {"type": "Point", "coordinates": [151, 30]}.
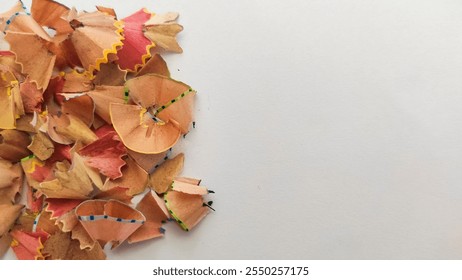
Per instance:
{"type": "Point", "coordinates": [328, 129]}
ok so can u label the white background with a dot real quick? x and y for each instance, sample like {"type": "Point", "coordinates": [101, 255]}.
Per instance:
{"type": "Point", "coordinates": [328, 129]}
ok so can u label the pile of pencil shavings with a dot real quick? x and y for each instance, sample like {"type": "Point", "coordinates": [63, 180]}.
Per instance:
{"type": "Point", "coordinates": [88, 117]}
